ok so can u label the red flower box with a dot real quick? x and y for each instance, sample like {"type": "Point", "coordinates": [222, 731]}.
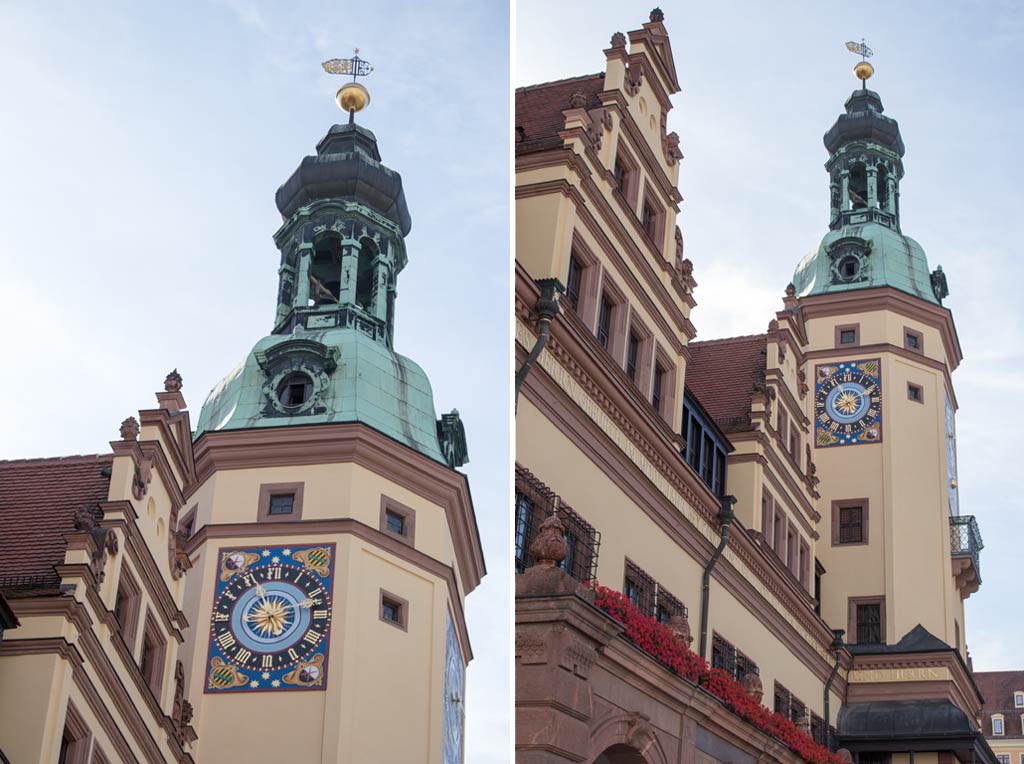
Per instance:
{"type": "Point", "coordinates": [669, 650]}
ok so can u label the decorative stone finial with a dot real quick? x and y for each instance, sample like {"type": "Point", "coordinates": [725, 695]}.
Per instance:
{"type": "Point", "coordinates": [680, 626]}
{"type": "Point", "coordinates": [939, 284]}
{"type": "Point", "coordinates": [790, 290]}
{"type": "Point", "coordinates": [130, 428]}
{"type": "Point", "coordinates": [577, 100]}
{"type": "Point", "coordinates": [752, 684]}
{"type": "Point", "coordinates": [186, 713]}
{"type": "Point", "coordinates": [84, 518]}
{"type": "Point", "coordinates": [618, 40]}
{"type": "Point", "coordinates": [549, 548]}
{"type": "Point", "coordinates": [172, 382]}
{"type": "Point", "coordinates": [657, 15]}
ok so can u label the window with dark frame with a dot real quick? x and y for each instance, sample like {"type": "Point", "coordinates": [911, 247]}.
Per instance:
{"type": "Point", "coordinates": [391, 611]}
{"type": "Point", "coordinates": [621, 172]}
{"type": "Point", "coordinates": [574, 283]}
{"type": "Point", "coordinates": [915, 392]}
{"type": "Point", "coordinates": [787, 704]}
{"type": "Point", "coordinates": [851, 525]}
{"type": "Point", "coordinates": [282, 504]}
{"type": "Point", "coordinates": [632, 351]}
{"type": "Point", "coordinates": [126, 606]}
{"type": "Point", "coordinates": [847, 336]}
{"type": "Point", "coordinates": [656, 391]}
{"type": "Point", "coordinates": [151, 661]}
{"type": "Point", "coordinates": [726, 657]}
{"type": "Point", "coordinates": [639, 588]}
{"type": "Point", "coordinates": [704, 450]}
{"type": "Point", "coordinates": [649, 220]}
{"type": "Point", "coordinates": [913, 340]}
{"type": "Point", "coordinates": [869, 623]}
{"type": "Point", "coordinates": [604, 322]}
{"type": "Point", "coordinates": [394, 522]}
{"type": "Point", "coordinates": [295, 390]}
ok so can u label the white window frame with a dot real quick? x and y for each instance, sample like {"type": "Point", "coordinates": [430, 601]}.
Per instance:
{"type": "Point", "coordinates": [1018, 699]}
{"type": "Point", "coordinates": [1002, 725]}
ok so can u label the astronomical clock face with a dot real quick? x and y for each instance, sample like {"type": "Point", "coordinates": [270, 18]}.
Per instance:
{"type": "Point", "coordinates": [454, 710]}
{"type": "Point", "coordinates": [271, 619]}
{"type": "Point", "coordinates": [848, 403]}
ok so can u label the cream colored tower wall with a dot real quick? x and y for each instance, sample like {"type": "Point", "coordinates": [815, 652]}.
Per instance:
{"type": "Point", "coordinates": [34, 697]}
{"type": "Point", "coordinates": [904, 479]}
{"type": "Point", "coordinates": [627, 531]}
{"type": "Point", "coordinates": [372, 664]}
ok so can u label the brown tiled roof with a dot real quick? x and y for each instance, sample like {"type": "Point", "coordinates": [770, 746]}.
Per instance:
{"type": "Point", "coordinates": [539, 110]}
{"type": "Point", "coordinates": [722, 374]}
{"type": "Point", "coordinates": [38, 499]}
{"type": "Point", "coordinates": [997, 687]}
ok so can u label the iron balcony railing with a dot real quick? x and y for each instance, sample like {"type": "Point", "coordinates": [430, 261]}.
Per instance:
{"type": "Point", "coordinates": [965, 539]}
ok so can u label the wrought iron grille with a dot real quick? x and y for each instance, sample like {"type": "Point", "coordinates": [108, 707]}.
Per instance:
{"type": "Point", "coordinates": [640, 588]}
{"type": "Point", "coordinates": [667, 606]}
{"type": "Point", "coordinates": [788, 705]}
{"type": "Point", "coordinates": [819, 733]}
{"type": "Point", "coordinates": [535, 502]}
{"type": "Point", "coordinates": [965, 539]}
{"type": "Point", "coordinates": [725, 656]}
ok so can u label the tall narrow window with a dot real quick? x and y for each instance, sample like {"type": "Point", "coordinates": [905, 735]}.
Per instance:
{"type": "Point", "coordinates": [849, 522]}
{"type": "Point", "coordinates": [574, 282]}
{"type": "Point", "coordinates": [997, 727]}
{"type": "Point", "coordinates": [858, 187]}
{"type": "Point", "coordinates": [632, 351]}
{"type": "Point", "coordinates": [656, 391]}
{"type": "Point", "coordinates": [365, 273]}
{"type": "Point", "coordinates": [325, 271]}
{"type": "Point", "coordinates": [622, 176]}
{"type": "Point", "coordinates": [869, 623]}
{"type": "Point", "coordinates": [882, 180]}
{"type": "Point", "coordinates": [151, 662]}
{"type": "Point", "coordinates": [604, 322]}
{"type": "Point", "coordinates": [126, 606]}
{"type": "Point", "coordinates": [74, 742]}
{"type": "Point", "coordinates": [649, 220]}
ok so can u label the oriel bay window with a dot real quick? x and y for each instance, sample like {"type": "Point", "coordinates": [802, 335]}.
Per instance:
{"type": "Point", "coordinates": [706, 446]}
{"type": "Point", "coordinates": [534, 503]}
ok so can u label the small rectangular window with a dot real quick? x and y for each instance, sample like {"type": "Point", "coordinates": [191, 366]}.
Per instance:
{"type": "Point", "coordinates": [915, 393]}
{"type": "Point", "coordinates": [913, 340]}
{"type": "Point", "coordinates": [604, 322]}
{"type": "Point", "coordinates": [849, 521]}
{"type": "Point", "coordinates": [997, 729]}
{"type": "Point", "coordinates": [1018, 700]}
{"type": "Point", "coordinates": [396, 519]}
{"type": "Point", "coordinates": [639, 588]}
{"type": "Point", "coordinates": [282, 504]}
{"type": "Point", "coordinates": [848, 335]}
{"type": "Point", "coordinates": [574, 282]}
{"type": "Point", "coordinates": [869, 623]}
{"type": "Point", "coordinates": [394, 610]}
{"type": "Point", "coordinates": [395, 523]}
{"type": "Point", "coordinates": [656, 391]}
{"type": "Point", "coordinates": [632, 351]}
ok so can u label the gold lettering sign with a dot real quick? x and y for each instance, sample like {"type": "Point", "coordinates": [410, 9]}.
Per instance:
{"type": "Point", "coordinates": [900, 675]}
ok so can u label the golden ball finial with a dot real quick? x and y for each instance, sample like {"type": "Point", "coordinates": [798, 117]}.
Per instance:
{"type": "Point", "coordinates": [863, 70]}
{"type": "Point", "coordinates": [352, 97]}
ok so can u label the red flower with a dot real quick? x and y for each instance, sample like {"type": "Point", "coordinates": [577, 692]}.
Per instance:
{"type": "Point", "coordinates": [672, 652]}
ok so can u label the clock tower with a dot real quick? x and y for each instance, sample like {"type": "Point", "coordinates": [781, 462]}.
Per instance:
{"type": "Point", "coordinates": [333, 540]}
{"type": "Point", "coordinates": [896, 558]}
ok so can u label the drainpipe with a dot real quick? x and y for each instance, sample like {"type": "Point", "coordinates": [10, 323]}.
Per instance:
{"type": "Point", "coordinates": [725, 517]}
{"type": "Point", "coordinates": [547, 309]}
{"type": "Point", "coordinates": [837, 650]}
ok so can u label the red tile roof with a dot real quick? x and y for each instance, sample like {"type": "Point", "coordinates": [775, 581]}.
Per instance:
{"type": "Point", "coordinates": [997, 687]}
{"type": "Point", "coordinates": [539, 110]}
{"type": "Point", "coordinates": [38, 499]}
{"type": "Point", "coordinates": [722, 374]}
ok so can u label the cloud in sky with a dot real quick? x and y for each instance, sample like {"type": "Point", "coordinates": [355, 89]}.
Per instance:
{"type": "Point", "coordinates": [761, 83]}
{"type": "Point", "coordinates": [142, 148]}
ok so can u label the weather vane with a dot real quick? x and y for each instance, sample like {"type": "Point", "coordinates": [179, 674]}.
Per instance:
{"type": "Point", "coordinates": [352, 96]}
{"type": "Point", "coordinates": [863, 69]}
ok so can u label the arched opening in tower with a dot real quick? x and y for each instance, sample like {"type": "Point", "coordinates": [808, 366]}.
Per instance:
{"type": "Point", "coordinates": [883, 187]}
{"type": "Point", "coordinates": [858, 187]}
{"type": "Point", "coordinates": [325, 271]}
{"type": "Point", "coordinates": [365, 273]}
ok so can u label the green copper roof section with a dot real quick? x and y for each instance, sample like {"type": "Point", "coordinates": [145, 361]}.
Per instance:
{"type": "Point", "coordinates": [880, 256]}
{"type": "Point", "coordinates": [362, 380]}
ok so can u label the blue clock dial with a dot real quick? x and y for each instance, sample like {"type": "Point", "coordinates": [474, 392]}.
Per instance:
{"type": "Point", "coordinates": [848, 403]}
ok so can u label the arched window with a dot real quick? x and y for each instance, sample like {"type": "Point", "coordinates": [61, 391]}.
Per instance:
{"type": "Point", "coordinates": [364, 274]}
{"type": "Point", "coordinates": [883, 187]}
{"type": "Point", "coordinates": [325, 271]}
{"type": "Point", "coordinates": [858, 187]}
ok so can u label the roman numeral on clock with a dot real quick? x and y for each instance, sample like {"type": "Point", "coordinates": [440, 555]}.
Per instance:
{"type": "Point", "coordinates": [243, 655]}
{"type": "Point", "coordinates": [312, 637]}
{"type": "Point", "coordinates": [319, 615]}
{"type": "Point", "coordinates": [274, 574]}
{"type": "Point", "coordinates": [268, 661]}
{"type": "Point", "coordinates": [292, 655]}
{"type": "Point", "coordinates": [220, 616]}
{"type": "Point", "coordinates": [225, 640]}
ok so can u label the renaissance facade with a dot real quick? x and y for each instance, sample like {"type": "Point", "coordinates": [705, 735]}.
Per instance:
{"type": "Point", "coordinates": [285, 581]}
{"type": "Point", "coordinates": [782, 505]}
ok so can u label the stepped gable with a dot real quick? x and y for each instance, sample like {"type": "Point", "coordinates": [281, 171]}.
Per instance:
{"type": "Point", "coordinates": [539, 109]}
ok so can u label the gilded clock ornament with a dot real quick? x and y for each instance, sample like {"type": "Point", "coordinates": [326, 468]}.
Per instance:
{"type": "Point", "coordinates": [848, 403]}
{"type": "Point", "coordinates": [271, 619]}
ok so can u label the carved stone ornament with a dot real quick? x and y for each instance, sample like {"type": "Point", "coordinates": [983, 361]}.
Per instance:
{"type": "Point", "coordinates": [672, 148]}
{"type": "Point", "coordinates": [782, 352]}
{"type": "Point", "coordinates": [773, 325]}
{"type": "Point", "coordinates": [618, 40]}
{"type": "Point", "coordinates": [140, 480]}
{"type": "Point", "coordinates": [790, 290]}
{"type": "Point", "coordinates": [680, 626]}
{"type": "Point", "coordinates": [186, 712]}
{"type": "Point", "coordinates": [549, 548]}
{"type": "Point", "coordinates": [84, 519]}
{"type": "Point", "coordinates": [172, 382]}
{"type": "Point", "coordinates": [452, 436]}
{"type": "Point", "coordinates": [657, 15]}
{"type": "Point", "coordinates": [686, 268]}
{"type": "Point", "coordinates": [578, 100]}
{"type": "Point", "coordinates": [130, 428]}
{"type": "Point", "coordinates": [801, 381]}
{"type": "Point", "coordinates": [110, 543]}
{"type": "Point", "coordinates": [845, 755]}
{"type": "Point", "coordinates": [638, 729]}
{"type": "Point", "coordinates": [753, 686]}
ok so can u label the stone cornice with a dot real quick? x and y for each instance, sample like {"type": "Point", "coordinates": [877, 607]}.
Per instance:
{"type": "Point", "coordinates": [358, 444]}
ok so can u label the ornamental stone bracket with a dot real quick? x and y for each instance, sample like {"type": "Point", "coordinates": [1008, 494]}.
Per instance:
{"type": "Point", "coordinates": [966, 576]}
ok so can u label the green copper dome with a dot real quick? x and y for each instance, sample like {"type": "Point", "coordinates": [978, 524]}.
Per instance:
{"type": "Point", "coordinates": [330, 357]}
{"type": "Point", "coordinates": [864, 256]}
{"type": "Point", "coordinates": [865, 246]}
{"type": "Point", "coordinates": [361, 380]}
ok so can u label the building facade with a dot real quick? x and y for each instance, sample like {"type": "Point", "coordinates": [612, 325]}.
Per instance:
{"type": "Point", "coordinates": [1002, 715]}
{"type": "Point", "coordinates": [289, 577]}
{"type": "Point", "coordinates": [781, 505]}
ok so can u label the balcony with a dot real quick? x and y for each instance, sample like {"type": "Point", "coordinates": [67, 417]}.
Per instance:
{"type": "Point", "coordinates": [965, 545]}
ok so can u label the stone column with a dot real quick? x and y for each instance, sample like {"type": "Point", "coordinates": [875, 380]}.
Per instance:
{"type": "Point", "coordinates": [890, 197]}
{"type": "Point", "coordinates": [872, 187]}
{"type": "Point", "coordinates": [844, 182]}
{"type": "Point", "coordinates": [303, 257]}
{"type": "Point", "coordinates": [558, 638]}
{"type": "Point", "coordinates": [349, 272]}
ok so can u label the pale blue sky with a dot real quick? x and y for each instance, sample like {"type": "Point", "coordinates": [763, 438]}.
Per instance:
{"type": "Point", "coordinates": [142, 144]}
{"type": "Point", "coordinates": [761, 83]}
